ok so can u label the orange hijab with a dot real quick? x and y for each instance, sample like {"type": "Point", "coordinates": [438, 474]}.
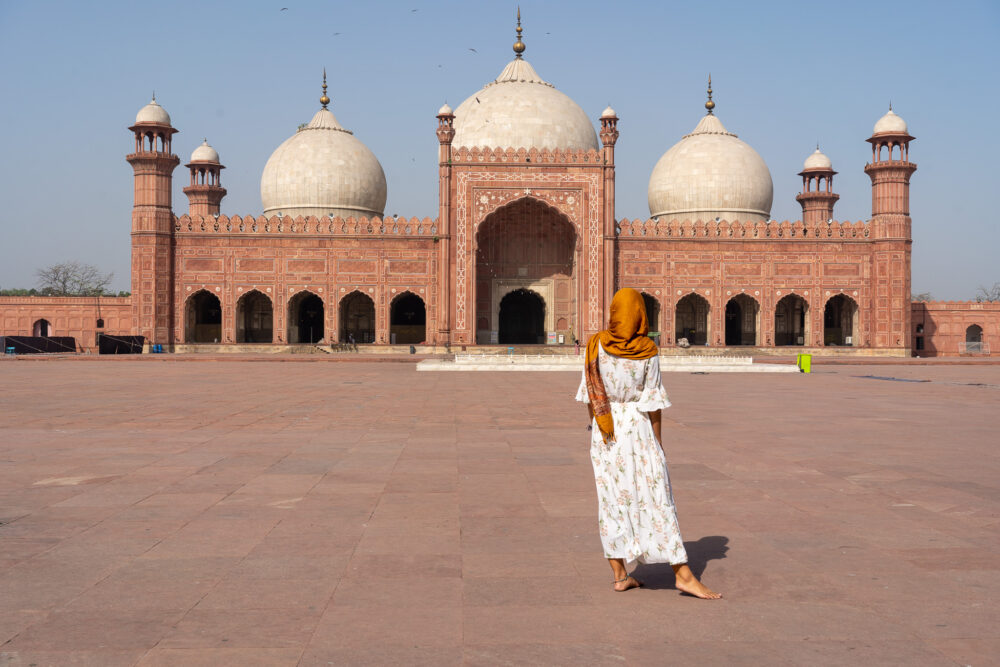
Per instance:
{"type": "Point", "coordinates": [625, 337]}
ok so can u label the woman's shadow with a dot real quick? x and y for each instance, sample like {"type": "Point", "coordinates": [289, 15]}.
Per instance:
{"type": "Point", "coordinates": [660, 575]}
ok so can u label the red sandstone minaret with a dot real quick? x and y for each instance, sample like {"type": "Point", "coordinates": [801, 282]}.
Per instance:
{"type": "Point", "coordinates": [890, 171]}
{"type": "Point", "coordinates": [205, 192]}
{"type": "Point", "coordinates": [609, 137]}
{"type": "Point", "coordinates": [152, 224]}
{"type": "Point", "coordinates": [817, 196]}
{"type": "Point", "coordinates": [445, 134]}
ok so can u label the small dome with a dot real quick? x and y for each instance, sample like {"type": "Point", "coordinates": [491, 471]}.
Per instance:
{"type": "Point", "coordinates": [323, 170]}
{"type": "Point", "coordinates": [817, 161]}
{"type": "Point", "coordinates": [205, 153]}
{"type": "Point", "coordinates": [890, 122]}
{"type": "Point", "coordinates": [609, 113]}
{"type": "Point", "coordinates": [153, 113]}
{"type": "Point", "coordinates": [711, 174]}
{"type": "Point", "coordinates": [445, 110]}
{"type": "Point", "coordinates": [520, 110]}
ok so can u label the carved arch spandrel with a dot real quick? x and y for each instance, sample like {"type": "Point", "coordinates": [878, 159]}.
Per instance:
{"type": "Point", "coordinates": [588, 217]}
{"type": "Point", "coordinates": [565, 201]}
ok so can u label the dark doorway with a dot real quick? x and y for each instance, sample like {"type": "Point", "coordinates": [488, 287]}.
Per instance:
{"type": "Point", "coordinates": [522, 318]}
{"type": "Point", "coordinates": [734, 316]}
{"type": "Point", "coordinates": [203, 318]}
{"type": "Point", "coordinates": [790, 320]}
{"type": "Point", "coordinates": [691, 317]}
{"type": "Point", "coordinates": [41, 328]}
{"type": "Point", "coordinates": [254, 318]}
{"type": "Point", "coordinates": [653, 315]}
{"type": "Point", "coordinates": [407, 320]}
{"type": "Point", "coordinates": [305, 318]}
{"type": "Point", "coordinates": [357, 318]}
{"type": "Point", "coordinates": [741, 320]}
{"type": "Point", "coordinates": [839, 321]}
{"type": "Point", "coordinates": [974, 339]}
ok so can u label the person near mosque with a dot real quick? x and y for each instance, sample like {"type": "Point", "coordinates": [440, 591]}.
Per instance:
{"type": "Point", "coordinates": [625, 398]}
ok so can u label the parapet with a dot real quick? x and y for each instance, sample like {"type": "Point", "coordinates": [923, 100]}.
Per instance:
{"type": "Point", "coordinates": [485, 154]}
{"type": "Point", "coordinates": [299, 226]}
{"type": "Point", "coordinates": [723, 229]}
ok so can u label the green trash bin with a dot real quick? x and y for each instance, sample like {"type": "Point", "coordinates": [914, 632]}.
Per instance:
{"type": "Point", "coordinates": [804, 362]}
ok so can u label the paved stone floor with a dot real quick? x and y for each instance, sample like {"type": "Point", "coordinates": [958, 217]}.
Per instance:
{"type": "Point", "coordinates": [236, 513]}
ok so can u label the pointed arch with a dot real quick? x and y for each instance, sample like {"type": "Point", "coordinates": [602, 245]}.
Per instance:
{"type": "Point", "coordinates": [407, 319]}
{"type": "Point", "coordinates": [306, 317]}
{"type": "Point", "coordinates": [791, 321]}
{"type": "Point", "coordinates": [742, 321]}
{"type": "Point", "coordinates": [41, 328]}
{"type": "Point", "coordinates": [202, 318]}
{"type": "Point", "coordinates": [691, 319]}
{"type": "Point", "coordinates": [357, 318]}
{"type": "Point", "coordinates": [254, 318]}
{"type": "Point", "coordinates": [840, 321]}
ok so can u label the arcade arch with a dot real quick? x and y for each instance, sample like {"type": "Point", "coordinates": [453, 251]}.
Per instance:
{"type": "Point", "coordinates": [41, 328]}
{"type": "Point", "coordinates": [691, 319]}
{"type": "Point", "coordinates": [840, 321]}
{"type": "Point", "coordinates": [305, 318]}
{"type": "Point", "coordinates": [526, 246]}
{"type": "Point", "coordinates": [357, 318]}
{"type": "Point", "coordinates": [203, 318]}
{"type": "Point", "coordinates": [742, 319]}
{"type": "Point", "coordinates": [254, 318]}
{"type": "Point", "coordinates": [521, 318]}
{"type": "Point", "coordinates": [791, 321]}
{"type": "Point", "coordinates": [407, 319]}
{"type": "Point", "coordinates": [973, 339]}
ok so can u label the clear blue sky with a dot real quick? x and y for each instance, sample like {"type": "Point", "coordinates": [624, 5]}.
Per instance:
{"type": "Point", "coordinates": [245, 74]}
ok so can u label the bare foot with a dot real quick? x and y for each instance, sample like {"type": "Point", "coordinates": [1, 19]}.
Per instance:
{"type": "Point", "coordinates": [688, 583]}
{"type": "Point", "coordinates": [627, 583]}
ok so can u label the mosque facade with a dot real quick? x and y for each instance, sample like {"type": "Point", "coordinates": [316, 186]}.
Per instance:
{"type": "Point", "coordinates": [526, 247]}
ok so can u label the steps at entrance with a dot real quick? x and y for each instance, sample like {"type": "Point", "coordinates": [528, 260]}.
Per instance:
{"type": "Point", "coordinates": [538, 362]}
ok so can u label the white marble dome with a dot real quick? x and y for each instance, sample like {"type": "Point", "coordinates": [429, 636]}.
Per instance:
{"type": "Point", "coordinates": [323, 170]}
{"type": "Point", "coordinates": [711, 174]}
{"type": "Point", "coordinates": [204, 153]}
{"type": "Point", "coordinates": [445, 110]}
{"type": "Point", "coordinates": [153, 113]}
{"type": "Point", "coordinates": [890, 122]}
{"type": "Point", "coordinates": [520, 110]}
{"type": "Point", "coordinates": [817, 160]}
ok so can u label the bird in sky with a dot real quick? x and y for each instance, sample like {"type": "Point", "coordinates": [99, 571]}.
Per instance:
{"type": "Point", "coordinates": [473, 50]}
{"type": "Point", "coordinates": [335, 34]}
{"type": "Point", "coordinates": [477, 101]}
{"type": "Point", "coordinates": [414, 10]}
{"type": "Point", "coordinates": [283, 9]}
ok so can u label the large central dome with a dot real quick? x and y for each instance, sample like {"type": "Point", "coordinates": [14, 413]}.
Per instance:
{"type": "Point", "coordinates": [711, 174]}
{"type": "Point", "coordinates": [520, 110]}
{"type": "Point", "coordinates": [323, 170]}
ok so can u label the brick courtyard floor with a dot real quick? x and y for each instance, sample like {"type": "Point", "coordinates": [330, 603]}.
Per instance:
{"type": "Point", "coordinates": [234, 513]}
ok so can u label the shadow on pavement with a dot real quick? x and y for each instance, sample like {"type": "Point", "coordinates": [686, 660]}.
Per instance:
{"type": "Point", "coordinates": [660, 575]}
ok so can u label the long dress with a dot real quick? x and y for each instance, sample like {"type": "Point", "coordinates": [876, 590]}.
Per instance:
{"type": "Point", "coordinates": [637, 517]}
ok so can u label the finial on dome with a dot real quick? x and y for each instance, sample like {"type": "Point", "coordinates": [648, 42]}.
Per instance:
{"type": "Point", "coordinates": [710, 105]}
{"type": "Point", "coordinates": [518, 45]}
{"type": "Point", "coordinates": [890, 105]}
{"type": "Point", "coordinates": [324, 100]}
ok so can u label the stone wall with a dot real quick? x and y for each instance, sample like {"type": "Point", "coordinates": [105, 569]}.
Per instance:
{"type": "Point", "coordinates": [943, 327]}
{"type": "Point", "coordinates": [79, 317]}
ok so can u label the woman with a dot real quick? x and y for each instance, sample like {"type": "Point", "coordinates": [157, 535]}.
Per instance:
{"type": "Point", "coordinates": [622, 389]}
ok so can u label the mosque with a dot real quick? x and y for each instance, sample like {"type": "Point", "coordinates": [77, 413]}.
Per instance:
{"type": "Point", "coordinates": [526, 248]}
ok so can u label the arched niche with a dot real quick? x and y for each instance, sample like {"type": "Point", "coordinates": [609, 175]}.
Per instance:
{"type": "Point", "coordinates": [357, 318]}
{"type": "Point", "coordinates": [254, 318]}
{"type": "Point", "coordinates": [691, 319]}
{"type": "Point", "coordinates": [305, 318]}
{"type": "Point", "coordinates": [202, 318]}
{"type": "Point", "coordinates": [407, 319]}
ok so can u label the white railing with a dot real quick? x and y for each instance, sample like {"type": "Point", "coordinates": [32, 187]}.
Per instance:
{"type": "Point", "coordinates": [974, 348]}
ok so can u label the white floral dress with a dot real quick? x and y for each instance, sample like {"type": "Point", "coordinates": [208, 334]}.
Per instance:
{"type": "Point", "coordinates": [637, 518]}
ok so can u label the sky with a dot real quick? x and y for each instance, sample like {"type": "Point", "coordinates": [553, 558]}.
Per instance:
{"type": "Point", "coordinates": [245, 74]}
